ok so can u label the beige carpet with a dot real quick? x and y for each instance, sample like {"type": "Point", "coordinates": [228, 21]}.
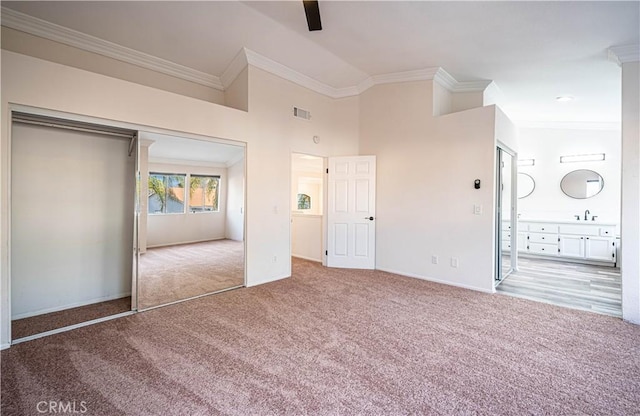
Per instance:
{"type": "Point", "coordinates": [336, 342]}
{"type": "Point", "coordinates": [21, 328]}
{"type": "Point", "coordinates": [172, 273]}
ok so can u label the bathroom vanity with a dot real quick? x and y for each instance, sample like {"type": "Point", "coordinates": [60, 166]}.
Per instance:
{"type": "Point", "coordinates": [590, 242]}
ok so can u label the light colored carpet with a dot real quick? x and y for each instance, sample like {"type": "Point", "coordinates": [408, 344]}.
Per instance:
{"type": "Point", "coordinates": [21, 328]}
{"type": "Point", "coordinates": [331, 342]}
{"type": "Point", "coordinates": [172, 273]}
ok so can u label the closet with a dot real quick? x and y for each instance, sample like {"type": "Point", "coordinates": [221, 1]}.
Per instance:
{"type": "Point", "coordinates": [72, 222]}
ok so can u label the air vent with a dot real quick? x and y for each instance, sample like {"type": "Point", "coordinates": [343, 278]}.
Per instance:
{"type": "Point", "coordinates": [300, 113]}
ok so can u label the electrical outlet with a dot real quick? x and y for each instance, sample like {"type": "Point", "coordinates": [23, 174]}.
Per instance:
{"type": "Point", "coordinates": [275, 259]}
{"type": "Point", "coordinates": [454, 262]}
{"type": "Point", "coordinates": [434, 259]}
{"type": "Point", "coordinates": [477, 209]}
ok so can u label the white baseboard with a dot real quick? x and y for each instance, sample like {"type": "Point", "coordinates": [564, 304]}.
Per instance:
{"type": "Point", "coordinates": [71, 305]}
{"type": "Point", "coordinates": [305, 258]}
{"type": "Point", "coordinates": [431, 279]}
{"type": "Point", "coordinates": [4, 346]}
{"type": "Point", "coordinates": [180, 243]}
{"type": "Point", "coordinates": [271, 279]}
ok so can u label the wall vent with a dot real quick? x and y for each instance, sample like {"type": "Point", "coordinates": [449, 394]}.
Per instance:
{"type": "Point", "coordinates": [300, 113]}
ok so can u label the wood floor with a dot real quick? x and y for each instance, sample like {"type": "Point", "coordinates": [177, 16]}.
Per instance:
{"type": "Point", "coordinates": [578, 286]}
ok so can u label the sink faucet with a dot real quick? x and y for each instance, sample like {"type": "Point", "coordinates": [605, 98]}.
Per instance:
{"type": "Point", "coordinates": [586, 213]}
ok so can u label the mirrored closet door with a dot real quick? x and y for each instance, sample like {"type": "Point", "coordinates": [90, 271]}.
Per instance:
{"type": "Point", "coordinates": [191, 222]}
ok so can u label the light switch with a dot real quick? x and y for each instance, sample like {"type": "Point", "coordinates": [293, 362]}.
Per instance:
{"type": "Point", "coordinates": [477, 209]}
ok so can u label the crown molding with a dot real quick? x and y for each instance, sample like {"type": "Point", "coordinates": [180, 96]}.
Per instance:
{"type": "Point", "coordinates": [38, 27]}
{"type": "Point", "coordinates": [624, 53]}
{"type": "Point", "coordinates": [235, 67]}
{"type": "Point", "coordinates": [283, 71]}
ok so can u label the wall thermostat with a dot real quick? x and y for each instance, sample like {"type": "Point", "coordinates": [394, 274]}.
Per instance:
{"type": "Point", "coordinates": [476, 183]}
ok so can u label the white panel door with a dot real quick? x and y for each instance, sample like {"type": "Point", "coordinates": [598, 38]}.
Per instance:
{"type": "Point", "coordinates": [351, 212]}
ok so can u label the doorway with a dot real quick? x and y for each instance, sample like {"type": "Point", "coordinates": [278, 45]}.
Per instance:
{"type": "Point", "coordinates": [308, 196]}
{"type": "Point", "coordinates": [506, 220]}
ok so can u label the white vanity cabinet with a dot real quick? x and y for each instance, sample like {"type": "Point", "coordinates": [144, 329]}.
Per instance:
{"type": "Point", "coordinates": [576, 241]}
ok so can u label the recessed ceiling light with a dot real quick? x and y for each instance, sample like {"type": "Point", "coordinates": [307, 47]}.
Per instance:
{"type": "Point", "coordinates": [564, 98]}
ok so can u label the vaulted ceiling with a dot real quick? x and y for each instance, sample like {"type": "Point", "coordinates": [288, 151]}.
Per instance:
{"type": "Point", "coordinates": [534, 51]}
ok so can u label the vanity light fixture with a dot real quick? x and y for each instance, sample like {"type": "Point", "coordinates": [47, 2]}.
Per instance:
{"type": "Point", "coordinates": [596, 157]}
{"type": "Point", "coordinates": [564, 98]}
{"type": "Point", "coordinates": [526, 162]}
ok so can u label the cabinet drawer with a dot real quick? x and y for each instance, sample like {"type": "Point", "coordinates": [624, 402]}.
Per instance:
{"type": "Point", "coordinates": [549, 249]}
{"type": "Point", "coordinates": [543, 238]}
{"type": "Point", "coordinates": [506, 226]}
{"type": "Point", "coordinates": [584, 230]}
{"type": "Point", "coordinates": [523, 226]}
{"type": "Point", "coordinates": [543, 228]}
{"type": "Point", "coordinates": [506, 235]}
{"type": "Point", "coordinates": [607, 231]}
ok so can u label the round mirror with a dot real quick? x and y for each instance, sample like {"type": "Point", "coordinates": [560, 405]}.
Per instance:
{"type": "Point", "coordinates": [526, 185]}
{"type": "Point", "coordinates": [582, 184]}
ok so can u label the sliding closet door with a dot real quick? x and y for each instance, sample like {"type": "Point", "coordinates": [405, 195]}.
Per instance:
{"type": "Point", "coordinates": [71, 219]}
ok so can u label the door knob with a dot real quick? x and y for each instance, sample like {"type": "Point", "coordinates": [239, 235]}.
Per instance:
{"type": "Point", "coordinates": [368, 218]}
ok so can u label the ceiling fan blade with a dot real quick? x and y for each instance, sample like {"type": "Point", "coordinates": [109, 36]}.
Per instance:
{"type": "Point", "coordinates": [312, 11]}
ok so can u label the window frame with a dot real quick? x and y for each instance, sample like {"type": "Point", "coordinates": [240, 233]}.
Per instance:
{"type": "Point", "coordinates": [217, 193]}
{"type": "Point", "coordinates": [165, 175]}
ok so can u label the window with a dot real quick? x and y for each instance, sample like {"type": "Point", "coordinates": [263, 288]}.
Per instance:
{"type": "Point", "coordinates": [166, 193]}
{"type": "Point", "coordinates": [203, 193]}
{"type": "Point", "coordinates": [304, 201]}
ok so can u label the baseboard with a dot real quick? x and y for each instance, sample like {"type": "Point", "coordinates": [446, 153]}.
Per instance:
{"type": "Point", "coordinates": [72, 305]}
{"type": "Point", "coordinates": [570, 260]}
{"type": "Point", "coordinates": [181, 243]}
{"type": "Point", "coordinates": [271, 279]}
{"type": "Point", "coordinates": [4, 346]}
{"type": "Point", "coordinates": [306, 258]}
{"type": "Point", "coordinates": [431, 279]}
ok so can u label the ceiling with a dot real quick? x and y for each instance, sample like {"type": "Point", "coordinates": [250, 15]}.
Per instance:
{"type": "Point", "coordinates": [534, 51]}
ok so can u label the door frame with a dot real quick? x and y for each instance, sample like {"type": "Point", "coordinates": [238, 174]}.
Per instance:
{"type": "Point", "coordinates": [6, 179]}
{"type": "Point", "coordinates": [498, 213]}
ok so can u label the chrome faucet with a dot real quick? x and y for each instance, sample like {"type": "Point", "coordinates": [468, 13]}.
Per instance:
{"type": "Point", "coordinates": [586, 213]}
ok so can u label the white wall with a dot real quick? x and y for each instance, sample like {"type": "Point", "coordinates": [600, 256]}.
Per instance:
{"type": "Point", "coordinates": [425, 194]}
{"type": "Point", "coordinates": [270, 132]}
{"type": "Point", "coordinates": [24, 43]}
{"type": "Point", "coordinates": [306, 239]}
{"type": "Point", "coordinates": [546, 146]}
{"type": "Point", "coordinates": [169, 229]}
{"type": "Point", "coordinates": [631, 192]}
{"type": "Point", "coordinates": [234, 229]}
{"type": "Point", "coordinates": [72, 219]}
{"type": "Point", "coordinates": [276, 135]}
{"type": "Point", "coordinates": [236, 95]}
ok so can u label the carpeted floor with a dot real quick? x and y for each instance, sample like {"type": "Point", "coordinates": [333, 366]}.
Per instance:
{"type": "Point", "coordinates": [172, 273]}
{"type": "Point", "coordinates": [42, 323]}
{"type": "Point", "coordinates": [330, 341]}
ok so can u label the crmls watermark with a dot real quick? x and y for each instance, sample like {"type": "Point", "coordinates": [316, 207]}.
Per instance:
{"type": "Point", "coordinates": [68, 407]}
